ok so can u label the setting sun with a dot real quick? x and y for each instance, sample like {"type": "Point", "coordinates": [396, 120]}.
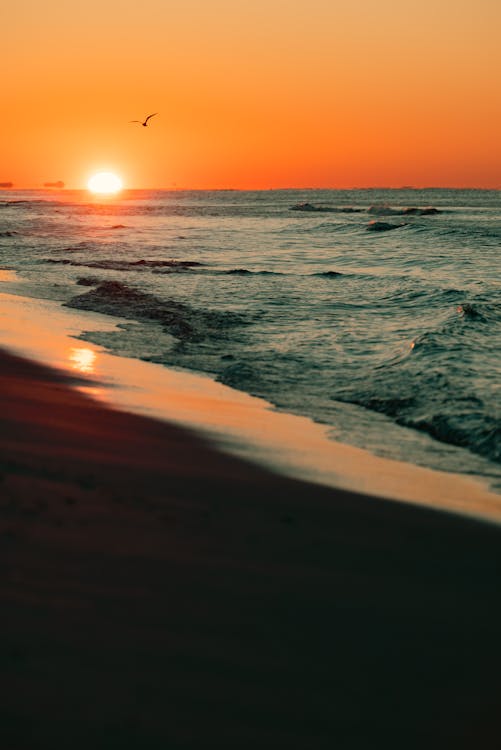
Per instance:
{"type": "Point", "coordinates": [104, 182]}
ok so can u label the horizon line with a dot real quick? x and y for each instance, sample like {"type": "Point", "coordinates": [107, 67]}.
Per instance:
{"type": "Point", "coordinates": [13, 188]}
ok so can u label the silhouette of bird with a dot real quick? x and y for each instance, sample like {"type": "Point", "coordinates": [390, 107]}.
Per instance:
{"type": "Point", "coordinates": [144, 124]}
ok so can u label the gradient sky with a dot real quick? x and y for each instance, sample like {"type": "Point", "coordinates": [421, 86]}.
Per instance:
{"type": "Point", "coordinates": [268, 93]}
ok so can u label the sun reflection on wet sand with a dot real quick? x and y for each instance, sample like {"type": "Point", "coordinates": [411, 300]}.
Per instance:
{"type": "Point", "coordinates": [98, 394]}
{"type": "Point", "coordinates": [83, 360]}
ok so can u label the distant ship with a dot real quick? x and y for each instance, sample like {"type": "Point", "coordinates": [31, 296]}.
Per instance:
{"type": "Point", "coordinates": [58, 184]}
{"type": "Point", "coordinates": [6, 185]}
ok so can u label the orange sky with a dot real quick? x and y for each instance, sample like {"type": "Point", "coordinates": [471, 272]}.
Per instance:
{"type": "Point", "coordinates": [268, 93]}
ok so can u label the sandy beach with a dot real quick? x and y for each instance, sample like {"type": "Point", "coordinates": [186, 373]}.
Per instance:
{"type": "Point", "coordinates": [159, 594]}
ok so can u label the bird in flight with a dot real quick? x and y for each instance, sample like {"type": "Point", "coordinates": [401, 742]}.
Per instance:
{"type": "Point", "coordinates": [144, 124]}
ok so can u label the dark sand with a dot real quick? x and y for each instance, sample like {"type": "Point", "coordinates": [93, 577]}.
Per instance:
{"type": "Point", "coordinates": [157, 594]}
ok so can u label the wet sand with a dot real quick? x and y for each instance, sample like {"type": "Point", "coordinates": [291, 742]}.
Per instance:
{"type": "Point", "coordinates": [159, 594]}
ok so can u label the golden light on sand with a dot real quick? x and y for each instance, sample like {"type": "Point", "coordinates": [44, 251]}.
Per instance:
{"type": "Point", "coordinates": [105, 182]}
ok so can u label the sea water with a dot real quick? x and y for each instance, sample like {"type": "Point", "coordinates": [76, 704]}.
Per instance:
{"type": "Point", "coordinates": [375, 312]}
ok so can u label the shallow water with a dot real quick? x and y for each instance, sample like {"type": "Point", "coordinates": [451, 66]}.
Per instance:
{"type": "Point", "coordinates": [390, 337]}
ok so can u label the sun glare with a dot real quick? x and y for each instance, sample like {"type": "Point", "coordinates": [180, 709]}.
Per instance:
{"type": "Point", "coordinates": [105, 182]}
{"type": "Point", "coordinates": [82, 359]}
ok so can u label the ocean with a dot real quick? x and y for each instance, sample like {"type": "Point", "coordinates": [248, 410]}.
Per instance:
{"type": "Point", "coordinates": [374, 312]}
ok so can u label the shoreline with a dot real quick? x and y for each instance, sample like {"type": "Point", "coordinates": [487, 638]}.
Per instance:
{"type": "Point", "coordinates": [235, 422]}
{"type": "Point", "coordinates": [159, 593]}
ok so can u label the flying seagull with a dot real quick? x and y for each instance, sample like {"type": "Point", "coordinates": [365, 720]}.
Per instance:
{"type": "Point", "coordinates": [144, 124]}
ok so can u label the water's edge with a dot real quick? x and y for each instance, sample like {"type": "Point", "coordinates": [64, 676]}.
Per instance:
{"type": "Point", "coordinates": [237, 423]}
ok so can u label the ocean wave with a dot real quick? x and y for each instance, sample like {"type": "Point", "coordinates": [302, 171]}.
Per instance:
{"type": "Point", "coordinates": [428, 387]}
{"type": "Point", "coordinates": [6, 204]}
{"type": "Point", "coordinates": [471, 312]}
{"type": "Point", "coordinates": [241, 376]}
{"type": "Point", "coordinates": [159, 210]}
{"type": "Point", "coordinates": [165, 266]}
{"type": "Point", "coordinates": [468, 326]}
{"type": "Point", "coordinates": [79, 247]}
{"type": "Point", "coordinates": [316, 208]}
{"type": "Point", "coordinates": [383, 226]}
{"type": "Point", "coordinates": [468, 233]}
{"type": "Point", "coordinates": [328, 274]}
{"type": "Point", "coordinates": [246, 272]}
{"type": "Point", "coordinates": [488, 312]}
{"type": "Point", "coordinates": [462, 421]}
{"type": "Point", "coordinates": [23, 203]}
{"type": "Point", "coordinates": [310, 208]}
{"type": "Point", "coordinates": [325, 227]}
{"type": "Point", "coordinates": [182, 321]}
{"type": "Point", "coordinates": [386, 210]}
{"type": "Point", "coordinates": [475, 431]}
{"type": "Point", "coordinates": [405, 297]}
{"type": "Point", "coordinates": [161, 266]}
{"type": "Point", "coordinates": [377, 209]}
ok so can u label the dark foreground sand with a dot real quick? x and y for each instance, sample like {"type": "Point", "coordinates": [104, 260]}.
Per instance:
{"type": "Point", "coordinates": [157, 594]}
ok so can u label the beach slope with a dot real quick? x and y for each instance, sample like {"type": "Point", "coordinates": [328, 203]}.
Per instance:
{"type": "Point", "coordinates": [159, 594]}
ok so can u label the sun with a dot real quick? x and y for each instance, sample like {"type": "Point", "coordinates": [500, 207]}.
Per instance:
{"type": "Point", "coordinates": [104, 182]}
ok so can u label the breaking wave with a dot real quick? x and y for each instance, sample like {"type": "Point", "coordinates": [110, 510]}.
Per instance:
{"type": "Point", "coordinates": [429, 389]}
{"type": "Point", "coordinates": [124, 265]}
